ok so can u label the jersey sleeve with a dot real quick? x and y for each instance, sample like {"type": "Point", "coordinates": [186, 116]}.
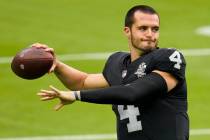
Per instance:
{"type": "Point", "coordinates": [113, 67]}
{"type": "Point", "coordinates": [107, 68]}
{"type": "Point", "coordinates": [171, 61]}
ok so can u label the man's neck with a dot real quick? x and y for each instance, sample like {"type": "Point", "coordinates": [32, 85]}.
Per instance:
{"type": "Point", "coordinates": [135, 53]}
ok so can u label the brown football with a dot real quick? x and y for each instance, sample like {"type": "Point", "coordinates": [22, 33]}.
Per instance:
{"type": "Point", "coordinates": [32, 63]}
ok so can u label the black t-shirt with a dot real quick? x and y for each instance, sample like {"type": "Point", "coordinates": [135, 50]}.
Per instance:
{"type": "Point", "coordinates": [159, 118]}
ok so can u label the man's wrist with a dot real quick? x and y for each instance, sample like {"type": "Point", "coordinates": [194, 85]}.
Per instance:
{"type": "Point", "coordinates": [77, 95]}
{"type": "Point", "coordinates": [58, 67]}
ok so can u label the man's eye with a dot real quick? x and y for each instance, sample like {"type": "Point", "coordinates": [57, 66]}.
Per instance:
{"type": "Point", "coordinates": [155, 29]}
{"type": "Point", "coordinates": [143, 28]}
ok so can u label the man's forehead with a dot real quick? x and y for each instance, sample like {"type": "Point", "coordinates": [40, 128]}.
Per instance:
{"type": "Point", "coordinates": [146, 17]}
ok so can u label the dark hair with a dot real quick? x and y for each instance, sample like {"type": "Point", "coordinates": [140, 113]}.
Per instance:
{"type": "Point", "coordinates": [129, 20]}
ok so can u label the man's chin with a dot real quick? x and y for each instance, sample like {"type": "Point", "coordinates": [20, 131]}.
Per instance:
{"type": "Point", "coordinates": [147, 49]}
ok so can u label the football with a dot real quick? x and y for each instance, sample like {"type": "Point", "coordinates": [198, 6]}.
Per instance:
{"type": "Point", "coordinates": [32, 63]}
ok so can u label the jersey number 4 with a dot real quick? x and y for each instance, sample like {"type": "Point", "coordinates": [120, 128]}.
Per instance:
{"type": "Point", "coordinates": [176, 57]}
{"type": "Point", "coordinates": [130, 113]}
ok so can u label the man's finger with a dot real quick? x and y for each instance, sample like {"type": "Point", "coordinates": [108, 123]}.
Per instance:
{"type": "Point", "coordinates": [51, 50]}
{"type": "Point", "coordinates": [42, 94]}
{"type": "Point", "coordinates": [47, 98]}
{"type": "Point", "coordinates": [55, 89]}
{"type": "Point", "coordinates": [52, 68]}
{"type": "Point", "coordinates": [46, 95]}
{"type": "Point", "coordinates": [47, 91]}
{"type": "Point", "coordinates": [58, 106]}
{"type": "Point", "coordinates": [39, 45]}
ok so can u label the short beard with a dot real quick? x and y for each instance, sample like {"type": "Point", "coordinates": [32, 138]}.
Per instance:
{"type": "Point", "coordinates": [144, 50]}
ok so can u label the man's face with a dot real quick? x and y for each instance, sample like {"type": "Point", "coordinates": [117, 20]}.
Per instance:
{"type": "Point", "coordinates": [144, 33]}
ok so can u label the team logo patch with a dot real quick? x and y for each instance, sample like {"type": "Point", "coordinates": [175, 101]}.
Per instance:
{"type": "Point", "coordinates": [141, 70]}
{"type": "Point", "coordinates": [124, 73]}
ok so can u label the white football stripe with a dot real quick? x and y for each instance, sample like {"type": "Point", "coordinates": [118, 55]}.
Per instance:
{"type": "Point", "coordinates": [203, 131]}
{"type": "Point", "coordinates": [102, 56]}
{"type": "Point", "coordinates": [70, 137]}
{"type": "Point", "coordinates": [205, 30]}
{"type": "Point", "coordinates": [196, 52]}
{"type": "Point", "coordinates": [193, 132]}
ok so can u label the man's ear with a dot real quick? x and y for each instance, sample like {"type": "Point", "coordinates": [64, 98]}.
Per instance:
{"type": "Point", "coordinates": [127, 31]}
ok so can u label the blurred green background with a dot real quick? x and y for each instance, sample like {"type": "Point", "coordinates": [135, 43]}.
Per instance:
{"type": "Point", "coordinates": [87, 26]}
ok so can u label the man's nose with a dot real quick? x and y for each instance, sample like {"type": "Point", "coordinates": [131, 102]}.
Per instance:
{"type": "Point", "coordinates": [149, 32]}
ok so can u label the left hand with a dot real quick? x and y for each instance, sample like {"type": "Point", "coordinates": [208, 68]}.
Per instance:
{"type": "Point", "coordinates": [65, 97]}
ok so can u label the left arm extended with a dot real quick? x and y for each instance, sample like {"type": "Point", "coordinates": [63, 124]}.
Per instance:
{"type": "Point", "coordinates": [154, 84]}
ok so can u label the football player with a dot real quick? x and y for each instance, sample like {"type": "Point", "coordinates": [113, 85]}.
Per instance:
{"type": "Point", "coordinates": [147, 86]}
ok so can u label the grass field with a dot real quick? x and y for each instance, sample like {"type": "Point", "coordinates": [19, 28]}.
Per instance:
{"type": "Point", "coordinates": [80, 26]}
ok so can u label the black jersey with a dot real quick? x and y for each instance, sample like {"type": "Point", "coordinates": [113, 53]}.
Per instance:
{"type": "Point", "coordinates": [158, 118]}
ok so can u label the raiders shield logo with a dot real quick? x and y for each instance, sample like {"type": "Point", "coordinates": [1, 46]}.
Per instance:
{"type": "Point", "coordinates": [141, 70]}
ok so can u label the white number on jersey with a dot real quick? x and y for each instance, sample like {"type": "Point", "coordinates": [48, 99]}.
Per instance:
{"type": "Point", "coordinates": [131, 113]}
{"type": "Point", "coordinates": [176, 57]}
